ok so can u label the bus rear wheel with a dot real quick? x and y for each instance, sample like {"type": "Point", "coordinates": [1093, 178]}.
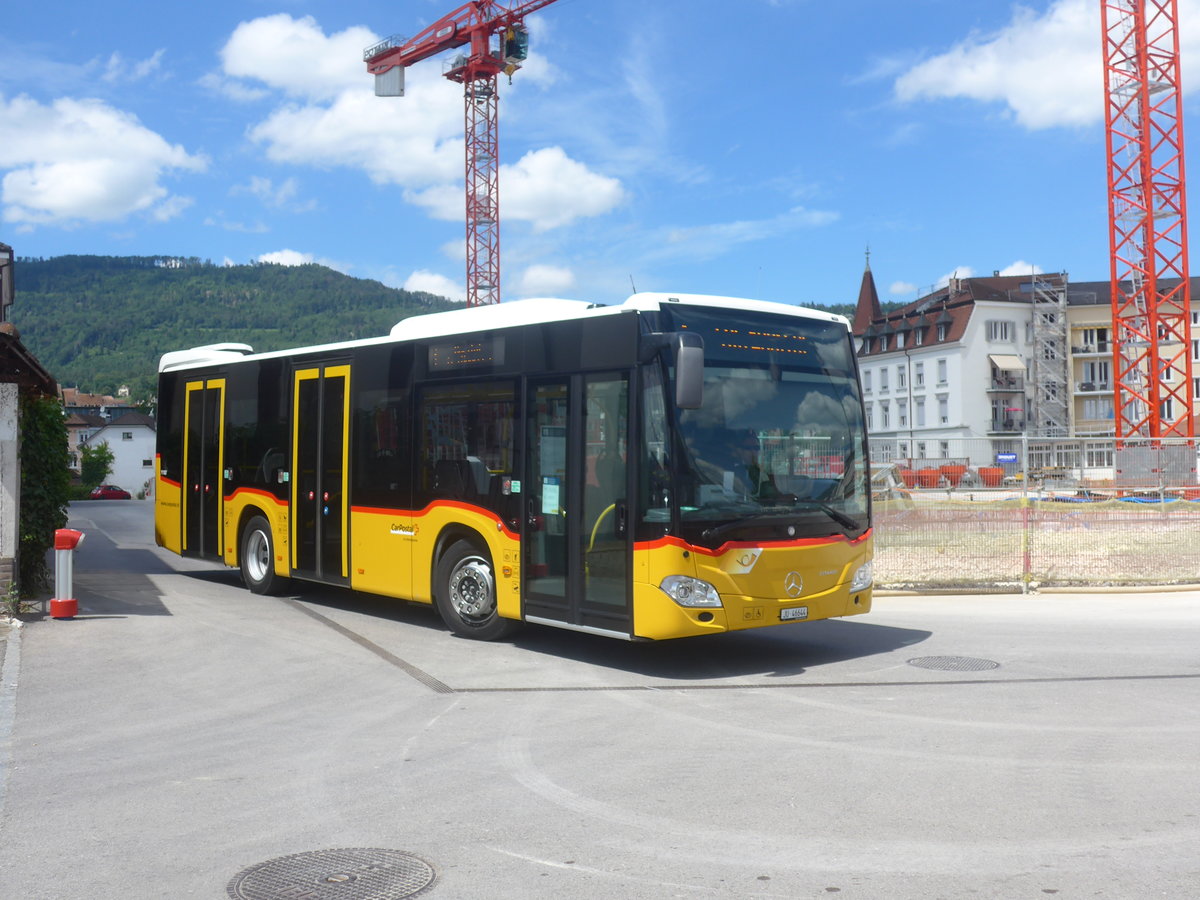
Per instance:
{"type": "Point", "coordinates": [258, 558]}
{"type": "Point", "coordinates": [465, 593]}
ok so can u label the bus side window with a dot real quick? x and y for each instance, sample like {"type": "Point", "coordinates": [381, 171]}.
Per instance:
{"type": "Point", "coordinates": [383, 430]}
{"type": "Point", "coordinates": [467, 442]}
{"type": "Point", "coordinates": [655, 485]}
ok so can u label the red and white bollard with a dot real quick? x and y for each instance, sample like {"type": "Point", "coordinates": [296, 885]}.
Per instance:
{"type": "Point", "coordinates": [63, 605]}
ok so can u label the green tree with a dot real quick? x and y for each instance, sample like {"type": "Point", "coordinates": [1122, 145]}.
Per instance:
{"type": "Point", "coordinates": [45, 486]}
{"type": "Point", "coordinates": [96, 463]}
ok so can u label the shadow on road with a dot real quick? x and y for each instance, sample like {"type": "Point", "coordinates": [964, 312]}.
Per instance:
{"type": "Point", "coordinates": [780, 652]}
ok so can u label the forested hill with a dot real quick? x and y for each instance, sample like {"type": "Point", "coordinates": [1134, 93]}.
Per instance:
{"type": "Point", "coordinates": [99, 322]}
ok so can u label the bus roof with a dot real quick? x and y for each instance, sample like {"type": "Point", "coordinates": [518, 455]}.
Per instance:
{"type": "Point", "coordinates": [501, 315]}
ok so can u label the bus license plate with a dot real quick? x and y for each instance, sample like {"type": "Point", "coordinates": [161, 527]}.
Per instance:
{"type": "Point", "coordinates": [795, 612]}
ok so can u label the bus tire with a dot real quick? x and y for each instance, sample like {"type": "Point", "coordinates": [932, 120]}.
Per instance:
{"type": "Point", "coordinates": [257, 558]}
{"type": "Point", "coordinates": [465, 593]}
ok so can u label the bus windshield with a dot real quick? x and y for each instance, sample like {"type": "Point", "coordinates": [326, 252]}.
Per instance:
{"type": "Point", "coordinates": [778, 447]}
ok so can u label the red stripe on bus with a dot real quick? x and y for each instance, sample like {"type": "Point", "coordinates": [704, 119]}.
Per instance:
{"type": "Point", "coordinates": [257, 492]}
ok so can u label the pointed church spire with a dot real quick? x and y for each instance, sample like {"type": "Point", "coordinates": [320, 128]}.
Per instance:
{"type": "Point", "coordinates": [868, 300]}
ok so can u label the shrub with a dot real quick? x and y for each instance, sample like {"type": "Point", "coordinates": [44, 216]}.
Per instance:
{"type": "Point", "coordinates": [45, 486]}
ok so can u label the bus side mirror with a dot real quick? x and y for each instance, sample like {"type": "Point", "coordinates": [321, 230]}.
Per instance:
{"type": "Point", "coordinates": [689, 370]}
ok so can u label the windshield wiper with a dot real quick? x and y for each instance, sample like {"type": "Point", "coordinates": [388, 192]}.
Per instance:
{"type": "Point", "coordinates": [783, 515]}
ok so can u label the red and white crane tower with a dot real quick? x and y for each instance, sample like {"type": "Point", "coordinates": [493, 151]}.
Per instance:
{"type": "Point", "coordinates": [1152, 363]}
{"type": "Point", "coordinates": [496, 42]}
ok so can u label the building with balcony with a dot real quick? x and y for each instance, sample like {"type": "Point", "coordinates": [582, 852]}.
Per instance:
{"type": "Point", "coordinates": [975, 369]}
{"type": "Point", "coordinates": [959, 365]}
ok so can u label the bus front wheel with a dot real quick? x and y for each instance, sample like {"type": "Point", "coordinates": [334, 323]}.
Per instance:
{"type": "Point", "coordinates": [258, 558]}
{"type": "Point", "coordinates": [465, 593]}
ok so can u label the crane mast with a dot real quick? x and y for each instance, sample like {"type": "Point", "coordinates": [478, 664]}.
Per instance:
{"type": "Point", "coordinates": [492, 40]}
{"type": "Point", "coordinates": [1152, 363]}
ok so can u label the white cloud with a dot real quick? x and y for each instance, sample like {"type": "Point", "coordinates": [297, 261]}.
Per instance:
{"type": "Point", "coordinates": [1020, 267]}
{"type": "Point", "coordinates": [544, 281]}
{"type": "Point", "coordinates": [219, 221]}
{"type": "Point", "coordinates": [549, 189]}
{"type": "Point", "coordinates": [433, 283]}
{"type": "Point", "coordinates": [902, 287]}
{"type": "Point", "coordinates": [170, 208]}
{"type": "Point", "coordinates": [1045, 68]}
{"type": "Point", "coordinates": [960, 272]}
{"type": "Point", "coordinates": [412, 141]}
{"type": "Point", "coordinates": [119, 69]}
{"type": "Point", "coordinates": [708, 241]}
{"type": "Point", "coordinates": [231, 88]}
{"type": "Point", "coordinates": [287, 258]}
{"type": "Point", "coordinates": [415, 142]}
{"type": "Point", "coordinates": [277, 196]}
{"type": "Point", "coordinates": [545, 187]}
{"type": "Point", "coordinates": [82, 160]}
{"type": "Point", "coordinates": [295, 56]}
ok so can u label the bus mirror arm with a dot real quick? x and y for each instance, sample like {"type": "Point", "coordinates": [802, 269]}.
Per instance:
{"type": "Point", "coordinates": [688, 355]}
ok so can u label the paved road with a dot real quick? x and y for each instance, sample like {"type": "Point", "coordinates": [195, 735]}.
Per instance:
{"type": "Point", "coordinates": [182, 730]}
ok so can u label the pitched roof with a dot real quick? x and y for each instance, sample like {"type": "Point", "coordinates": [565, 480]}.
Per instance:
{"type": "Point", "coordinates": [85, 420]}
{"type": "Point", "coordinates": [868, 307]}
{"type": "Point", "coordinates": [74, 397]}
{"type": "Point", "coordinates": [133, 418]}
{"type": "Point", "coordinates": [19, 366]}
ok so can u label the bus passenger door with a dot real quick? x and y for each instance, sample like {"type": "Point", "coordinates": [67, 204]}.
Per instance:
{"type": "Point", "coordinates": [201, 482]}
{"type": "Point", "coordinates": [576, 544]}
{"type": "Point", "coordinates": [319, 476]}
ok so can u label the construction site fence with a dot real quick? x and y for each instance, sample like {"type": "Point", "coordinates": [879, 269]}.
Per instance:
{"type": "Point", "coordinates": [1023, 514]}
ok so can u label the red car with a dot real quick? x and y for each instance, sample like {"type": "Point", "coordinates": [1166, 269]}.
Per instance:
{"type": "Point", "coordinates": [109, 492]}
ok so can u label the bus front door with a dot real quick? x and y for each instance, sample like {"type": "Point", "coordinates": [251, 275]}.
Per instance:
{"type": "Point", "coordinates": [576, 545]}
{"type": "Point", "coordinates": [202, 467]}
{"type": "Point", "coordinates": [319, 476]}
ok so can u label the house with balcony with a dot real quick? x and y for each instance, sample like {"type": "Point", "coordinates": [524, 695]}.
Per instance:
{"type": "Point", "coordinates": [949, 376]}
{"type": "Point", "coordinates": [1023, 362]}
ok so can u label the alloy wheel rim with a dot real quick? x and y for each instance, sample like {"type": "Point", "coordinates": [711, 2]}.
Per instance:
{"type": "Point", "coordinates": [472, 590]}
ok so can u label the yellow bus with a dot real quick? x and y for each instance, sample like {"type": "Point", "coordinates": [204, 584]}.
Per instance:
{"type": "Point", "coordinates": [674, 465]}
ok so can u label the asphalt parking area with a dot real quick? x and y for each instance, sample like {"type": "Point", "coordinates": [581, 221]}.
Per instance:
{"type": "Point", "coordinates": [183, 733]}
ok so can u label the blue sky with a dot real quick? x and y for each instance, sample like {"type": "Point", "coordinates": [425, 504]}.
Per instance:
{"type": "Point", "coordinates": [749, 149]}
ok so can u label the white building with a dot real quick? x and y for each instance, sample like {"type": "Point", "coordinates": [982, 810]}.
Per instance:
{"type": "Point", "coordinates": [131, 439]}
{"type": "Point", "coordinates": [949, 377]}
{"type": "Point", "coordinates": [983, 371]}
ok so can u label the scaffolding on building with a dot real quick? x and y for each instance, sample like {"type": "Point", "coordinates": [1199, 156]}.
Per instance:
{"type": "Point", "coordinates": [1051, 381]}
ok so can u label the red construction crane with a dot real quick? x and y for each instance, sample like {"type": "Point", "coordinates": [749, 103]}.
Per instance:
{"type": "Point", "coordinates": [1147, 208]}
{"type": "Point", "coordinates": [496, 41]}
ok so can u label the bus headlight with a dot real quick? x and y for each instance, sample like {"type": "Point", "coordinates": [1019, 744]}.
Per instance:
{"type": "Point", "coordinates": [864, 575]}
{"type": "Point", "coordinates": [690, 592]}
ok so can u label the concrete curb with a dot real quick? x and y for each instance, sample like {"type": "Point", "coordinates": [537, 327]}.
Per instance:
{"type": "Point", "coordinates": [9, 673]}
{"type": "Point", "coordinates": [1066, 589]}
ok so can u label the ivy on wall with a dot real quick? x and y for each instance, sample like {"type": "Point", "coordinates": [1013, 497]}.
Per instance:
{"type": "Point", "coordinates": [45, 486]}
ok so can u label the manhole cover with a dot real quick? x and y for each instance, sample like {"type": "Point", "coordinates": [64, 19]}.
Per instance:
{"type": "Point", "coordinates": [352, 874]}
{"type": "Point", "coordinates": [954, 663]}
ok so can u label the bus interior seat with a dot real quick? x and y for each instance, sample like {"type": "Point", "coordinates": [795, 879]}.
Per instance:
{"type": "Point", "coordinates": [481, 478]}
{"type": "Point", "coordinates": [448, 478]}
